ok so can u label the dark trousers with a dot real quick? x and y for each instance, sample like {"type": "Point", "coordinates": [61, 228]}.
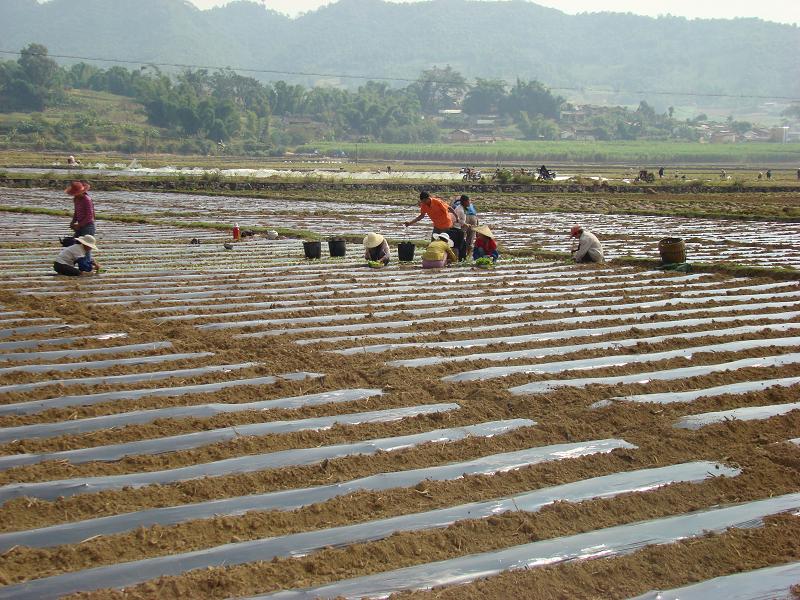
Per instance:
{"type": "Point", "coordinates": [63, 269]}
{"type": "Point", "coordinates": [88, 229]}
{"type": "Point", "coordinates": [459, 245]}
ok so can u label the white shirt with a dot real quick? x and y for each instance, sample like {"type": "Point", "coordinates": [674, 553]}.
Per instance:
{"type": "Point", "coordinates": [589, 244]}
{"type": "Point", "coordinates": [461, 216]}
{"type": "Point", "coordinates": [71, 254]}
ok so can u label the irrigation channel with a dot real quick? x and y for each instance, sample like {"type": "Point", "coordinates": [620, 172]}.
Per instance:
{"type": "Point", "coordinates": [203, 422]}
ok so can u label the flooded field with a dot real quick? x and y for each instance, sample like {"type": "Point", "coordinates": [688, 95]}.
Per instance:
{"type": "Point", "coordinates": [203, 422]}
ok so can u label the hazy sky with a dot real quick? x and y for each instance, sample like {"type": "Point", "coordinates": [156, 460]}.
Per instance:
{"type": "Point", "coordinates": [782, 11]}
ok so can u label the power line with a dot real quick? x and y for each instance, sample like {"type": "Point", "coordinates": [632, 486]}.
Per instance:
{"type": "Point", "coordinates": [387, 78]}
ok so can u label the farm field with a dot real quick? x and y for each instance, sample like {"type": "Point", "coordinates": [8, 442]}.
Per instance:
{"type": "Point", "coordinates": [198, 422]}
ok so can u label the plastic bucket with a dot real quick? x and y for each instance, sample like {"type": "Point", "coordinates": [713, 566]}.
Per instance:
{"type": "Point", "coordinates": [672, 250]}
{"type": "Point", "coordinates": [405, 251]}
{"type": "Point", "coordinates": [312, 249]}
{"type": "Point", "coordinates": [337, 247]}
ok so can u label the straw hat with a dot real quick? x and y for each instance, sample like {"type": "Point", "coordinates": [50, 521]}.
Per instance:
{"type": "Point", "coordinates": [576, 231]}
{"type": "Point", "coordinates": [444, 237]}
{"type": "Point", "coordinates": [87, 240]}
{"type": "Point", "coordinates": [373, 240]}
{"type": "Point", "coordinates": [484, 230]}
{"type": "Point", "coordinates": [76, 188]}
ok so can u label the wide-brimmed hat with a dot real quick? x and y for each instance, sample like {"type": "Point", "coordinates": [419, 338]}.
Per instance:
{"type": "Point", "coordinates": [76, 188]}
{"type": "Point", "coordinates": [575, 231]}
{"type": "Point", "coordinates": [444, 237]}
{"type": "Point", "coordinates": [373, 240]}
{"type": "Point", "coordinates": [484, 230]}
{"type": "Point", "coordinates": [87, 240]}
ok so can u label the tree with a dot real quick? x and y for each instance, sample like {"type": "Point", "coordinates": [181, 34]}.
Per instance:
{"type": "Point", "coordinates": [533, 98]}
{"type": "Point", "coordinates": [439, 89]}
{"type": "Point", "coordinates": [484, 97]}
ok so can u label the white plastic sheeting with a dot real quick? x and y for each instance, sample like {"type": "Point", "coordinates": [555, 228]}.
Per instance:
{"type": "Point", "coordinates": [539, 387]}
{"type": "Point", "coordinates": [50, 490]}
{"type": "Point", "coordinates": [35, 406]}
{"type": "Point", "coordinates": [719, 390]}
{"type": "Point", "coordinates": [59, 354]}
{"type": "Point", "coordinates": [301, 544]}
{"type": "Point", "coordinates": [123, 379]}
{"type": "Point", "coordinates": [77, 426]}
{"type": "Point", "coordinates": [291, 499]}
{"type": "Point", "coordinates": [198, 439]}
{"type": "Point", "coordinates": [771, 583]}
{"type": "Point", "coordinates": [607, 345]}
{"type": "Point", "coordinates": [107, 363]}
{"type": "Point", "coordinates": [23, 344]}
{"type": "Point", "coordinates": [619, 360]}
{"type": "Point", "coordinates": [750, 413]}
{"type": "Point", "coordinates": [613, 541]}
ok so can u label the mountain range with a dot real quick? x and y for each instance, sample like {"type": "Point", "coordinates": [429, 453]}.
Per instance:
{"type": "Point", "coordinates": [621, 54]}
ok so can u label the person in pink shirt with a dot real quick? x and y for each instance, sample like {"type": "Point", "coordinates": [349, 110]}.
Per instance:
{"type": "Point", "coordinates": [83, 214]}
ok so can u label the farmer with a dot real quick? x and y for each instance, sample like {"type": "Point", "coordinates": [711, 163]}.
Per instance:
{"type": "Point", "coordinates": [471, 220]}
{"type": "Point", "coordinates": [589, 249]}
{"type": "Point", "coordinates": [376, 248]}
{"type": "Point", "coordinates": [76, 260]}
{"type": "Point", "coordinates": [485, 245]}
{"type": "Point", "coordinates": [459, 229]}
{"type": "Point", "coordinates": [440, 214]}
{"type": "Point", "coordinates": [439, 252]}
{"type": "Point", "coordinates": [83, 213]}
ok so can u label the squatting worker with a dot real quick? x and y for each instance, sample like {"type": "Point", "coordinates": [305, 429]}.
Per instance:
{"type": "Point", "coordinates": [76, 260]}
{"type": "Point", "coordinates": [83, 213]}
{"type": "Point", "coordinates": [439, 252]}
{"type": "Point", "coordinates": [437, 209]}
{"type": "Point", "coordinates": [376, 248]}
{"type": "Point", "coordinates": [589, 247]}
{"type": "Point", "coordinates": [485, 244]}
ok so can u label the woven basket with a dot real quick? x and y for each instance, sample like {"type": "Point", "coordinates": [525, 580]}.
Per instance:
{"type": "Point", "coordinates": [672, 250]}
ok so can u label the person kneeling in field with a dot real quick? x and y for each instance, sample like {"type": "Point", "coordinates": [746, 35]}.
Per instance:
{"type": "Point", "coordinates": [77, 259]}
{"type": "Point", "coordinates": [485, 245]}
{"type": "Point", "coordinates": [439, 252]}
{"type": "Point", "coordinates": [589, 247]}
{"type": "Point", "coordinates": [376, 248]}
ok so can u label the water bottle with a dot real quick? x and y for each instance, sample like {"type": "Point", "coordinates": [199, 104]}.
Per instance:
{"type": "Point", "coordinates": [236, 232]}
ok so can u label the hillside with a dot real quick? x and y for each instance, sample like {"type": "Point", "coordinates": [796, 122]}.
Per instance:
{"type": "Point", "coordinates": [480, 39]}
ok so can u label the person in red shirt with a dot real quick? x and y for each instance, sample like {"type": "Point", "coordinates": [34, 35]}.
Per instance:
{"type": "Point", "coordinates": [484, 244]}
{"type": "Point", "coordinates": [437, 209]}
{"type": "Point", "coordinates": [83, 214]}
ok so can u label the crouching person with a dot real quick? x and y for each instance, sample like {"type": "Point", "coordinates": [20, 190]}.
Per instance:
{"type": "Point", "coordinates": [439, 252]}
{"type": "Point", "coordinates": [376, 248]}
{"type": "Point", "coordinates": [77, 259]}
{"type": "Point", "coordinates": [485, 244]}
{"type": "Point", "coordinates": [589, 249]}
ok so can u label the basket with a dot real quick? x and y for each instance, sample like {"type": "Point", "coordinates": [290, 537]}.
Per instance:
{"type": "Point", "coordinates": [672, 250]}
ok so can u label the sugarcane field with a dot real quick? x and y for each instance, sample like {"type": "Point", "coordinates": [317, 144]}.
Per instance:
{"type": "Point", "coordinates": [429, 387]}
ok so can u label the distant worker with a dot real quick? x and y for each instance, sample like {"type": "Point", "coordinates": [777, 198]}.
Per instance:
{"type": "Point", "coordinates": [769, 174]}
{"type": "Point", "coordinates": [72, 162]}
{"type": "Point", "coordinates": [723, 174]}
{"type": "Point", "coordinates": [376, 248]}
{"type": "Point", "coordinates": [485, 244]}
{"type": "Point", "coordinates": [83, 208]}
{"type": "Point", "coordinates": [589, 249]}
{"type": "Point", "coordinates": [76, 260]}
{"type": "Point", "coordinates": [661, 172]}
{"type": "Point", "coordinates": [798, 174]}
{"type": "Point", "coordinates": [439, 252]}
{"type": "Point", "coordinates": [760, 175]}
{"type": "Point", "coordinates": [437, 209]}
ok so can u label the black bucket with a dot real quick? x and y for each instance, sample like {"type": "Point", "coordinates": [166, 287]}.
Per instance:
{"type": "Point", "coordinates": [337, 247]}
{"type": "Point", "coordinates": [312, 249]}
{"type": "Point", "coordinates": [405, 251]}
{"type": "Point", "coordinates": [672, 250]}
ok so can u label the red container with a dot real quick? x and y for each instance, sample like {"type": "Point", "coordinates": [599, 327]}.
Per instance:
{"type": "Point", "coordinates": [236, 233]}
